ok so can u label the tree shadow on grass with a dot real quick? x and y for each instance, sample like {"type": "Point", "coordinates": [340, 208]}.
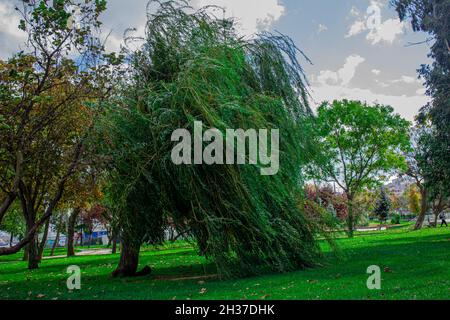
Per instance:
{"type": "Point", "coordinates": [414, 263]}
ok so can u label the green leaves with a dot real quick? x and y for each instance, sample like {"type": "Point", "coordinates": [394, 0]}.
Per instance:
{"type": "Point", "coordinates": [359, 142]}
{"type": "Point", "coordinates": [194, 68]}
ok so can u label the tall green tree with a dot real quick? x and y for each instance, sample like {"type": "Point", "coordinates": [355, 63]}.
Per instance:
{"type": "Point", "coordinates": [433, 18]}
{"type": "Point", "coordinates": [359, 145]}
{"type": "Point", "coordinates": [193, 67]}
{"type": "Point", "coordinates": [383, 206]}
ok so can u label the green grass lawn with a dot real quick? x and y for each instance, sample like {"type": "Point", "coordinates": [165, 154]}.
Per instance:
{"type": "Point", "coordinates": [415, 265]}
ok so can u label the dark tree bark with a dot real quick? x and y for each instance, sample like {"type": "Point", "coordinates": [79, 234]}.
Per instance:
{"type": "Point", "coordinates": [44, 239]}
{"type": "Point", "coordinates": [55, 243]}
{"type": "Point", "coordinates": [25, 253]}
{"type": "Point", "coordinates": [350, 218]}
{"type": "Point", "coordinates": [71, 231]}
{"type": "Point", "coordinates": [114, 245]}
{"type": "Point", "coordinates": [129, 260]}
{"type": "Point", "coordinates": [11, 238]}
{"type": "Point", "coordinates": [33, 253]}
{"type": "Point", "coordinates": [33, 246]}
{"type": "Point", "coordinates": [423, 209]}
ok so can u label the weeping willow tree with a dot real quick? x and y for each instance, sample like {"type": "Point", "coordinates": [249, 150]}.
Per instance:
{"type": "Point", "coordinates": [193, 67]}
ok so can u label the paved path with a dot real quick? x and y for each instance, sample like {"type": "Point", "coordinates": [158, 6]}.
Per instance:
{"type": "Point", "coordinates": [89, 252]}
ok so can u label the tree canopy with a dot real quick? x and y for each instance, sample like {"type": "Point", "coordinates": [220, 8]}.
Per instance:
{"type": "Point", "coordinates": [193, 67]}
{"type": "Point", "coordinates": [358, 144]}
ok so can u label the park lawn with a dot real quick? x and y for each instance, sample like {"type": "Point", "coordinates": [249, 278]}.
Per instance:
{"type": "Point", "coordinates": [415, 265]}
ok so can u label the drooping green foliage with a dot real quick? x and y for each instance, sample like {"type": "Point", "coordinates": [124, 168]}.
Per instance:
{"type": "Point", "coordinates": [193, 67]}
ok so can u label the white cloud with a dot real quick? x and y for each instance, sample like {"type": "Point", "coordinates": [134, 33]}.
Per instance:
{"type": "Point", "coordinates": [9, 21]}
{"type": "Point", "coordinates": [406, 79]}
{"type": "Point", "coordinates": [421, 91]}
{"type": "Point", "coordinates": [371, 22]}
{"type": "Point", "coordinates": [376, 72]}
{"type": "Point", "coordinates": [407, 106]}
{"type": "Point", "coordinates": [322, 28]}
{"type": "Point", "coordinates": [330, 85]}
{"type": "Point", "coordinates": [354, 11]}
{"type": "Point", "coordinates": [387, 31]}
{"type": "Point", "coordinates": [344, 75]}
{"type": "Point", "coordinates": [251, 15]}
{"type": "Point", "coordinates": [10, 35]}
{"type": "Point", "coordinates": [357, 27]}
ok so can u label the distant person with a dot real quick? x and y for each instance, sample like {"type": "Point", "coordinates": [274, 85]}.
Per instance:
{"type": "Point", "coordinates": [443, 219]}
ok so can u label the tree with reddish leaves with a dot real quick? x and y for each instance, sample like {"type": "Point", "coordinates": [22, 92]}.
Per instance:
{"type": "Point", "coordinates": [326, 197]}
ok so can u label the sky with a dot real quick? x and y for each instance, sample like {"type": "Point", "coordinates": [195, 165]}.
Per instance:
{"type": "Point", "coordinates": [359, 48]}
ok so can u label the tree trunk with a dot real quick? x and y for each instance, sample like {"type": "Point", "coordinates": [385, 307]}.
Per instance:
{"type": "Point", "coordinates": [350, 218]}
{"type": "Point", "coordinates": [55, 243]}
{"type": "Point", "coordinates": [33, 249]}
{"type": "Point", "coordinates": [423, 210]}
{"type": "Point", "coordinates": [44, 239]}
{"type": "Point", "coordinates": [129, 259]}
{"type": "Point", "coordinates": [114, 245]}
{"type": "Point", "coordinates": [33, 254]}
{"type": "Point", "coordinates": [110, 238]}
{"type": "Point", "coordinates": [25, 253]}
{"type": "Point", "coordinates": [71, 232]}
{"type": "Point", "coordinates": [90, 239]}
{"type": "Point", "coordinates": [436, 216]}
{"type": "Point", "coordinates": [11, 238]}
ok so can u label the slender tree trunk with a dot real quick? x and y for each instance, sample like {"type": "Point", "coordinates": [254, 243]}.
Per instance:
{"type": "Point", "coordinates": [110, 238]}
{"type": "Point", "coordinates": [55, 243]}
{"type": "Point", "coordinates": [11, 238]}
{"type": "Point", "coordinates": [350, 218]}
{"type": "Point", "coordinates": [114, 245]}
{"type": "Point", "coordinates": [44, 239]}
{"type": "Point", "coordinates": [71, 232]}
{"type": "Point", "coordinates": [423, 210]}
